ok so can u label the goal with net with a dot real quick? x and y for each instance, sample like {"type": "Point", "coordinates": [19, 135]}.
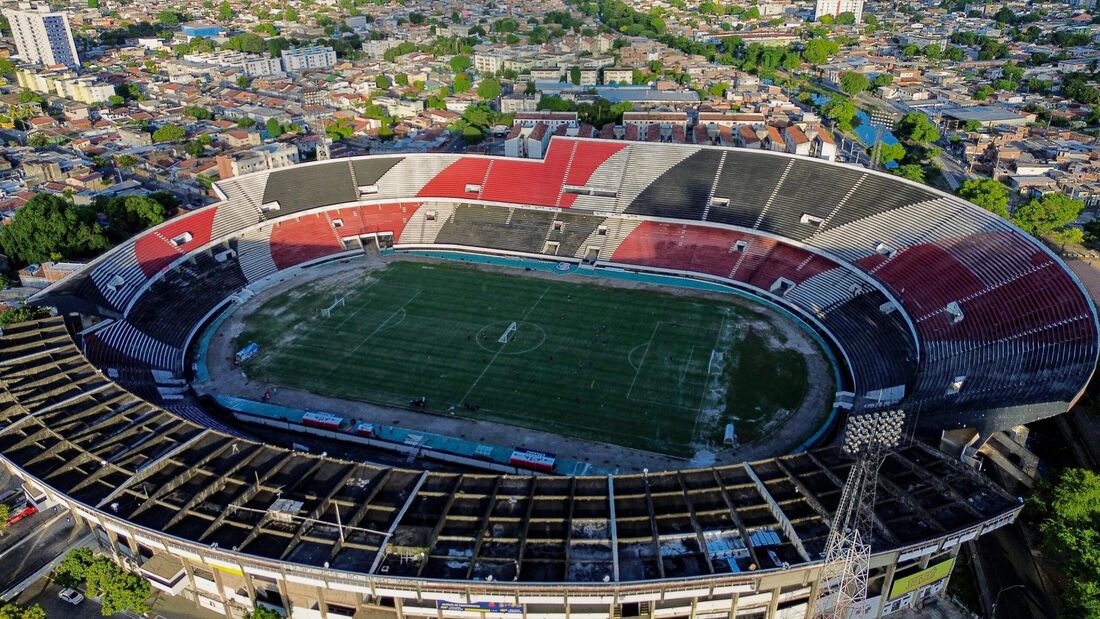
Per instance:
{"type": "Point", "coordinates": [509, 334]}
{"type": "Point", "coordinates": [336, 302]}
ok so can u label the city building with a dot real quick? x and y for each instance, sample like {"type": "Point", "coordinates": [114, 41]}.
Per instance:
{"type": "Point", "coordinates": [836, 7]}
{"type": "Point", "coordinates": [43, 37]}
{"type": "Point", "coordinates": [266, 157]}
{"type": "Point", "coordinates": [252, 65]}
{"type": "Point", "coordinates": [306, 58]}
{"type": "Point", "coordinates": [618, 75]}
{"type": "Point", "coordinates": [87, 89]}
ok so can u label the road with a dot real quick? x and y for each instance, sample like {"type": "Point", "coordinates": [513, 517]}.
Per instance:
{"type": "Point", "coordinates": [33, 542]}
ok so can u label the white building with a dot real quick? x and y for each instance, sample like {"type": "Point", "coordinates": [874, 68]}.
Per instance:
{"type": "Point", "coordinates": [252, 65]}
{"type": "Point", "coordinates": [266, 157]}
{"type": "Point", "coordinates": [42, 37]}
{"type": "Point", "coordinates": [306, 58]}
{"type": "Point", "coordinates": [836, 7]}
{"type": "Point", "coordinates": [87, 90]}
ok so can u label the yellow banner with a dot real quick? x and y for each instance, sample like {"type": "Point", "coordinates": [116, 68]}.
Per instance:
{"type": "Point", "coordinates": [227, 569]}
{"type": "Point", "coordinates": [924, 577]}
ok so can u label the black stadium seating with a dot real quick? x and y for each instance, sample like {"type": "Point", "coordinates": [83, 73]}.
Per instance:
{"type": "Point", "coordinates": [746, 181]}
{"type": "Point", "coordinates": [682, 192]}
{"type": "Point", "coordinates": [368, 171]}
{"type": "Point", "coordinates": [302, 188]}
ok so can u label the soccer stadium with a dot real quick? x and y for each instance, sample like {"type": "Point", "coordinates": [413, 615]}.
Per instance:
{"type": "Point", "coordinates": [608, 383]}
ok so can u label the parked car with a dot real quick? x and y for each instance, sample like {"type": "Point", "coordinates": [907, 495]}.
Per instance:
{"type": "Point", "coordinates": [71, 596]}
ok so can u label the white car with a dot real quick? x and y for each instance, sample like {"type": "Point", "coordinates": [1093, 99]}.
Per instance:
{"type": "Point", "coordinates": [71, 596]}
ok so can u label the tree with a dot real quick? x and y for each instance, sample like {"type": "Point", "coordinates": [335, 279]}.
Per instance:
{"type": "Point", "coordinates": [246, 122]}
{"type": "Point", "coordinates": [847, 18]}
{"type": "Point", "coordinates": [126, 161]}
{"type": "Point", "coordinates": [70, 572]}
{"type": "Point", "coordinates": [1046, 214]}
{"type": "Point", "coordinates": [460, 63]}
{"type": "Point", "coordinates": [489, 89]}
{"type": "Point", "coordinates": [38, 140]}
{"type": "Point", "coordinates": [817, 51]}
{"type": "Point", "coordinates": [1069, 236]}
{"type": "Point", "coordinates": [1070, 512]}
{"type": "Point", "coordinates": [972, 125]}
{"type": "Point", "coordinates": [199, 113]}
{"type": "Point", "coordinates": [11, 316]}
{"type": "Point", "coordinates": [986, 193]}
{"type": "Point", "coordinates": [915, 127]}
{"type": "Point", "coordinates": [462, 82]}
{"type": "Point", "coordinates": [12, 610]}
{"type": "Point", "coordinates": [169, 133]}
{"type": "Point", "coordinates": [275, 128]}
{"type": "Point", "coordinates": [225, 12]}
{"type": "Point", "coordinates": [48, 226]}
{"type": "Point", "coordinates": [882, 79]}
{"type": "Point", "coordinates": [168, 19]}
{"type": "Point", "coordinates": [117, 590]}
{"type": "Point", "coordinates": [5, 511]}
{"type": "Point", "coordinates": [575, 75]}
{"type": "Point", "coordinates": [263, 613]}
{"type": "Point", "coordinates": [853, 82]}
{"type": "Point", "coordinates": [382, 82]}
{"type": "Point", "coordinates": [130, 214]}
{"type": "Point", "coordinates": [340, 129]}
{"type": "Point", "coordinates": [841, 111]}
{"type": "Point", "coordinates": [892, 152]}
{"type": "Point", "coordinates": [910, 171]}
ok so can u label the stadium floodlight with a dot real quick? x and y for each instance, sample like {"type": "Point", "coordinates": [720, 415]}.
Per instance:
{"type": "Point", "coordinates": [880, 429]}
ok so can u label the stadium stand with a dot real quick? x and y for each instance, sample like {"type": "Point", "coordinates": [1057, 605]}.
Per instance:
{"type": "Point", "coordinates": [683, 192]}
{"type": "Point", "coordinates": [302, 239]}
{"type": "Point", "coordinates": [175, 304]}
{"type": "Point", "coordinates": [367, 172]}
{"type": "Point", "coordinates": [302, 188]}
{"type": "Point", "coordinates": [519, 230]}
{"type": "Point", "coordinates": [240, 208]}
{"type": "Point", "coordinates": [904, 238]}
{"type": "Point", "coordinates": [254, 254]}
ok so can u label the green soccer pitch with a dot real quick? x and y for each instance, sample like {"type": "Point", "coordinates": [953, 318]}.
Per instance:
{"type": "Point", "coordinates": [637, 368]}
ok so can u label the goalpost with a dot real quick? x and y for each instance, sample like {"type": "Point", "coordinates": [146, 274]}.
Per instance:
{"type": "Point", "coordinates": [509, 333]}
{"type": "Point", "coordinates": [336, 302]}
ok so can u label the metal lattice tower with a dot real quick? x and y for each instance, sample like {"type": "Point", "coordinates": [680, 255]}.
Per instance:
{"type": "Point", "coordinates": [842, 583]}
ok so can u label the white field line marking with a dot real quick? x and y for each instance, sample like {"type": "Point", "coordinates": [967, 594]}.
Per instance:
{"type": "Point", "coordinates": [648, 345]}
{"type": "Point", "coordinates": [383, 323]}
{"type": "Point", "coordinates": [706, 384]}
{"type": "Point", "coordinates": [502, 347]}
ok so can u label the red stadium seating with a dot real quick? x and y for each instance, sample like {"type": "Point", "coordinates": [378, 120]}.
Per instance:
{"type": "Point", "coordinates": [926, 278]}
{"type": "Point", "coordinates": [157, 250]}
{"type": "Point", "coordinates": [711, 250]}
{"type": "Point", "coordinates": [1031, 308]}
{"type": "Point", "coordinates": [154, 253]}
{"type": "Point", "coordinates": [523, 181]}
{"type": "Point", "coordinates": [303, 239]}
{"type": "Point", "coordinates": [452, 181]}
{"type": "Point", "coordinates": [374, 218]}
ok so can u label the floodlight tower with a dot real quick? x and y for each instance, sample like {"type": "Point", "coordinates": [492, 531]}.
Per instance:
{"type": "Point", "coordinates": [842, 582]}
